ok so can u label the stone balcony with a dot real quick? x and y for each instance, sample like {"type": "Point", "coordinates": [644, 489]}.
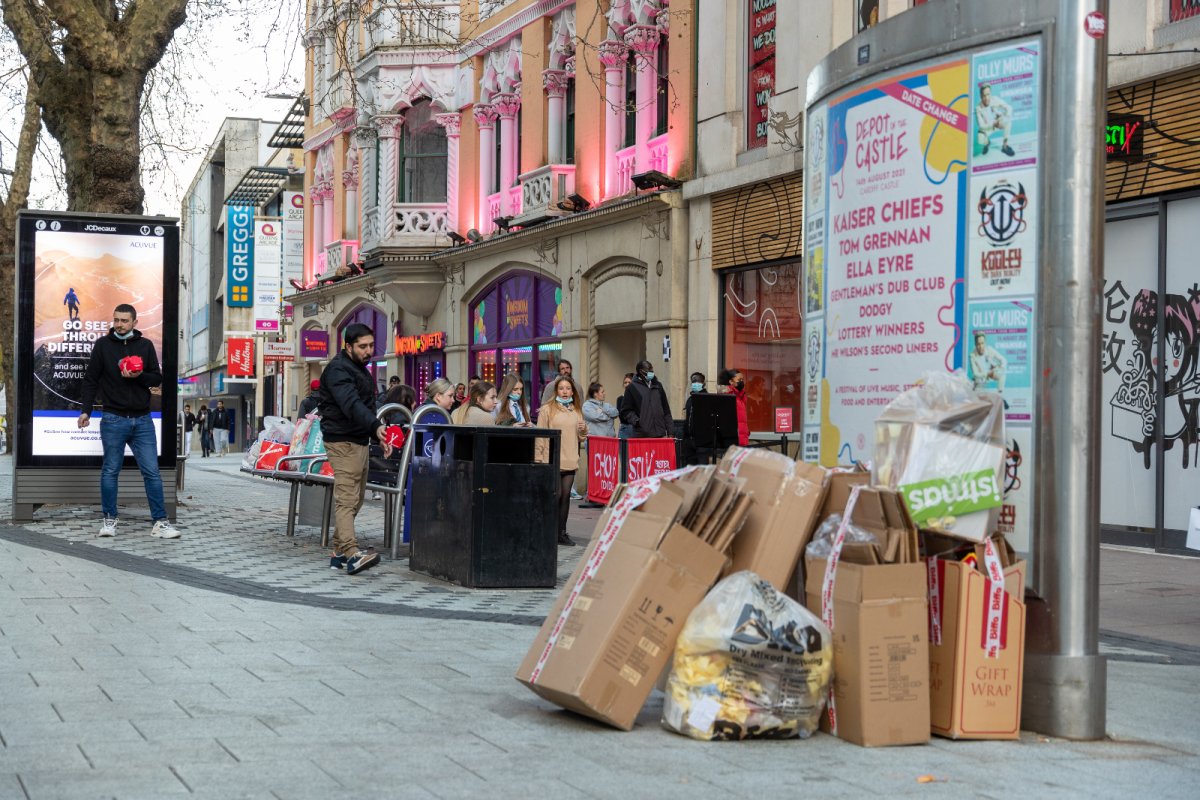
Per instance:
{"type": "Point", "coordinates": [542, 189]}
{"type": "Point", "coordinates": [406, 225]}
{"type": "Point", "coordinates": [428, 24]}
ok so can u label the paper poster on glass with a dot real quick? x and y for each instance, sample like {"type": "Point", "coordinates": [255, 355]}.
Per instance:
{"type": "Point", "coordinates": [1004, 107]}
{"type": "Point", "coordinates": [1003, 257]}
{"type": "Point", "coordinates": [894, 244]}
{"type": "Point", "coordinates": [814, 357]}
{"type": "Point", "coordinates": [1000, 354]}
{"type": "Point", "coordinates": [1017, 508]}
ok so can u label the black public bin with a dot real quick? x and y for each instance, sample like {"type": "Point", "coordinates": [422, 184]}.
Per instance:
{"type": "Point", "coordinates": [483, 513]}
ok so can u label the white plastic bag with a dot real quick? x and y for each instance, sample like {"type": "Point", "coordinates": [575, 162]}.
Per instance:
{"type": "Point", "coordinates": [750, 663]}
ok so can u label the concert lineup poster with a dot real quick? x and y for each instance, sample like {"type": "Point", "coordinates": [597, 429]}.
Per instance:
{"type": "Point", "coordinates": [892, 267]}
{"type": "Point", "coordinates": [80, 276]}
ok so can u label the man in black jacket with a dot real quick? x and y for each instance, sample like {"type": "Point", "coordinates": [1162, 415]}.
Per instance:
{"type": "Point", "coordinates": [348, 424]}
{"type": "Point", "coordinates": [645, 405]}
{"type": "Point", "coordinates": [125, 390]}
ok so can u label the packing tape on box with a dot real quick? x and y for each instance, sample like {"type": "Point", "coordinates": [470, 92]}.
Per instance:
{"type": "Point", "coordinates": [936, 572]}
{"type": "Point", "coordinates": [997, 602]}
{"type": "Point", "coordinates": [835, 553]}
{"type": "Point", "coordinates": [636, 493]}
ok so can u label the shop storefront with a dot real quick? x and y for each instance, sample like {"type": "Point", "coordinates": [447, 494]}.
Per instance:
{"type": "Point", "coordinates": [424, 358]}
{"type": "Point", "coordinates": [1150, 353]}
{"type": "Point", "coordinates": [516, 323]}
{"type": "Point", "coordinates": [756, 251]}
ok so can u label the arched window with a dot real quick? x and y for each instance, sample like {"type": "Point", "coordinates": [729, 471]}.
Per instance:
{"type": "Point", "coordinates": [422, 161]}
{"type": "Point", "coordinates": [515, 327]}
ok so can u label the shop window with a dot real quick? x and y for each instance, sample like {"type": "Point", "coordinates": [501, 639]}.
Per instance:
{"type": "Point", "coordinates": [663, 85]}
{"type": "Point", "coordinates": [630, 100]}
{"type": "Point", "coordinates": [422, 157]}
{"type": "Point", "coordinates": [760, 71]}
{"type": "Point", "coordinates": [569, 124]}
{"type": "Point", "coordinates": [1179, 10]}
{"type": "Point", "coordinates": [515, 325]}
{"type": "Point", "coordinates": [762, 335]}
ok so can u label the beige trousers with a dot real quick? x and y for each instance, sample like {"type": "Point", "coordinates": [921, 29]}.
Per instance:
{"type": "Point", "coordinates": [349, 462]}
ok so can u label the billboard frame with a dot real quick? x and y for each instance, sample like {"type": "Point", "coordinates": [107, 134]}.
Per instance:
{"type": "Point", "coordinates": [75, 479]}
{"type": "Point", "coordinates": [1065, 676]}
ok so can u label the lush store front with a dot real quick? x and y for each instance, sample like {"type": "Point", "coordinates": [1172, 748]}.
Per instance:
{"type": "Point", "coordinates": [516, 323]}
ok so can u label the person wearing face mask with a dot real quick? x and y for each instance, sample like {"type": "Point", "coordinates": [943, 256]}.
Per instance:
{"type": "Point", "coordinates": [512, 409]}
{"type": "Point", "coordinates": [645, 405]}
{"type": "Point", "coordinates": [563, 414]}
{"type": "Point", "coordinates": [696, 386]}
{"type": "Point", "coordinates": [481, 405]}
{"type": "Point", "coordinates": [735, 384]}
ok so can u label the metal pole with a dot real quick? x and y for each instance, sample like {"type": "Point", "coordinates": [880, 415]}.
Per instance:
{"type": "Point", "coordinates": [1065, 677]}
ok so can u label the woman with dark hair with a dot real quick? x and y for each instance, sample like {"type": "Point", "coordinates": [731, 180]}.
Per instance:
{"type": "Point", "coordinates": [481, 405]}
{"type": "Point", "coordinates": [513, 410]}
{"type": "Point", "coordinates": [402, 394]}
{"type": "Point", "coordinates": [695, 387]}
{"type": "Point", "coordinates": [563, 414]}
{"type": "Point", "coordinates": [735, 384]}
{"type": "Point", "coordinates": [599, 415]}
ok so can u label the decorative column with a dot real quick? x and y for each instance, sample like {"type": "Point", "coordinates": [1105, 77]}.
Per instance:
{"type": "Point", "coordinates": [612, 56]}
{"type": "Point", "coordinates": [452, 123]}
{"type": "Point", "coordinates": [318, 226]}
{"type": "Point", "coordinates": [555, 83]}
{"type": "Point", "coordinates": [367, 140]}
{"type": "Point", "coordinates": [389, 172]}
{"type": "Point", "coordinates": [350, 181]}
{"type": "Point", "coordinates": [485, 118]}
{"type": "Point", "coordinates": [330, 217]}
{"type": "Point", "coordinates": [643, 40]}
{"type": "Point", "coordinates": [510, 143]}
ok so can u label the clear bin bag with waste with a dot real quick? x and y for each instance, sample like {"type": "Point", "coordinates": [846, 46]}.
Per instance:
{"type": "Point", "coordinates": [750, 663]}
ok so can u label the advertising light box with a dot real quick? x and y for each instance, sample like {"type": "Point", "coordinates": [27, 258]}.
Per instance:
{"type": "Point", "coordinates": [73, 270]}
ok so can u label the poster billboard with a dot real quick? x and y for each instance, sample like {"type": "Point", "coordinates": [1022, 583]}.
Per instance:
{"type": "Point", "coordinates": [72, 271]}
{"type": "Point", "coordinates": [293, 236]}
{"type": "Point", "coordinates": [268, 264]}
{"type": "Point", "coordinates": [921, 251]}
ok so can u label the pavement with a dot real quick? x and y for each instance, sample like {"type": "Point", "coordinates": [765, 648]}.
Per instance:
{"type": "Point", "coordinates": [233, 663]}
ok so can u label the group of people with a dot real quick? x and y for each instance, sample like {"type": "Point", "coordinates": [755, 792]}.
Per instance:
{"type": "Point", "coordinates": [210, 428]}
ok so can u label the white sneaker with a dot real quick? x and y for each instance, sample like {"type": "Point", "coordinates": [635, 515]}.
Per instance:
{"type": "Point", "coordinates": [165, 530]}
{"type": "Point", "coordinates": [108, 527]}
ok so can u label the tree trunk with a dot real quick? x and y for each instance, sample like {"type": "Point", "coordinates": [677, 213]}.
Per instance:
{"type": "Point", "coordinates": [100, 140]}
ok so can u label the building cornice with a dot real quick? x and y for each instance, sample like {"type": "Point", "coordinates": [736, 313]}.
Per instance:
{"type": "Point", "coordinates": [510, 27]}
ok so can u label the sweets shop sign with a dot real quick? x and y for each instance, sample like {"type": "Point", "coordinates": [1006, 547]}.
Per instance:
{"type": "Point", "coordinates": [421, 343]}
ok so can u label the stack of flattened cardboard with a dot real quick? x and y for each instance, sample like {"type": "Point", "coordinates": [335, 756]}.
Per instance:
{"type": "Point", "coordinates": [872, 596]}
{"type": "Point", "coordinates": [977, 637]}
{"type": "Point", "coordinates": [788, 496]}
{"type": "Point", "coordinates": [657, 550]}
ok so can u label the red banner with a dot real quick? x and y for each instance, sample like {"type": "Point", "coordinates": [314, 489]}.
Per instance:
{"type": "Point", "coordinates": [649, 457]}
{"type": "Point", "coordinates": [604, 469]}
{"type": "Point", "coordinates": [240, 353]}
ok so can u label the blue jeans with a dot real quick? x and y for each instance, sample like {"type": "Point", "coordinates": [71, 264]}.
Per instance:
{"type": "Point", "coordinates": [138, 433]}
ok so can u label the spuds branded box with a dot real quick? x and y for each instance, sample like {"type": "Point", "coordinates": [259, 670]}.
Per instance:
{"type": "Point", "coordinates": [613, 628]}
{"type": "Point", "coordinates": [974, 694]}
{"type": "Point", "coordinates": [788, 496]}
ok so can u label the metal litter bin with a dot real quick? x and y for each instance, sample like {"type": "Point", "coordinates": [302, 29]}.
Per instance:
{"type": "Point", "coordinates": [483, 512]}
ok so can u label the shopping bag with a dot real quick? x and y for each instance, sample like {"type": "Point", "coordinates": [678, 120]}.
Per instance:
{"type": "Point", "coordinates": [269, 454]}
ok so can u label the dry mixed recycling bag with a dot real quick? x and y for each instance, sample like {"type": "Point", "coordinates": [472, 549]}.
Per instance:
{"type": "Point", "coordinates": [941, 445]}
{"type": "Point", "coordinates": [750, 663]}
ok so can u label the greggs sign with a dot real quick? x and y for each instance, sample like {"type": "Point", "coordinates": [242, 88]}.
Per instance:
{"type": "Point", "coordinates": [421, 343]}
{"type": "Point", "coordinates": [239, 256]}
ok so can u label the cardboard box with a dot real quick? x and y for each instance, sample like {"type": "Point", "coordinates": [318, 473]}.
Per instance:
{"type": "Point", "coordinates": [612, 630]}
{"type": "Point", "coordinates": [880, 621]}
{"type": "Point", "coordinates": [788, 497]}
{"type": "Point", "coordinates": [880, 652]}
{"type": "Point", "coordinates": [972, 695]}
